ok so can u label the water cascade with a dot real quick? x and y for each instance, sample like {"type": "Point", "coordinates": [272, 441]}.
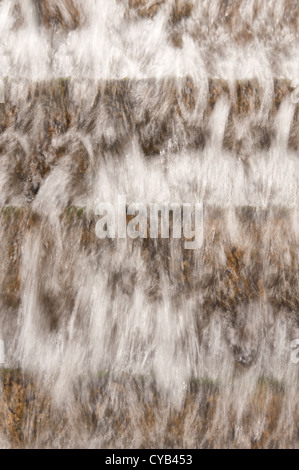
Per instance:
{"type": "Point", "coordinates": [141, 343]}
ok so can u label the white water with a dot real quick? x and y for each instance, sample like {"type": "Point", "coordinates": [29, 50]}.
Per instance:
{"type": "Point", "coordinates": [123, 308]}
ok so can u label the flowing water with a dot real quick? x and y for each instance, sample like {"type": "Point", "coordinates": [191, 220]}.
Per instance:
{"type": "Point", "coordinates": [142, 343]}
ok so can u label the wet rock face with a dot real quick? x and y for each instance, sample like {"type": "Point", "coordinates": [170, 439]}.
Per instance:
{"type": "Point", "coordinates": [233, 302]}
{"type": "Point", "coordinates": [43, 129]}
{"type": "Point", "coordinates": [228, 280]}
{"type": "Point", "coordinates": [142, 342]}
{"type": "Point", "coordinates": [262, 38]}
{"type": "Point", "coordinates": [145, 8]}
{"type": "Point", "coordinates": [54, 13]}
{"type": "Point", "coordinates": [28, 414]}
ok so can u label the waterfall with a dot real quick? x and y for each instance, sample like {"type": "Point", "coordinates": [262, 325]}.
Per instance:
{"type": "Point", "coordinates": [140, 342]}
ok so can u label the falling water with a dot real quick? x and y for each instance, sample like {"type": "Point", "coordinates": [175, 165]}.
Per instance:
{"type": "Point", "coordinates": [142, 343]}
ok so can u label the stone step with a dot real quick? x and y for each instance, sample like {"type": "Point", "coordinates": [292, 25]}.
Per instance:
{"type": "Point", "coordinates": [49, 126]}
{"type": "Point", "coordinates": [248, 255]}
{"type": "Point", "coordinates": [28, 415]}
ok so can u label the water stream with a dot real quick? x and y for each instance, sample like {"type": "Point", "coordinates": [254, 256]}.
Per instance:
{"type": "Point", "coordinates": [142, 343]}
